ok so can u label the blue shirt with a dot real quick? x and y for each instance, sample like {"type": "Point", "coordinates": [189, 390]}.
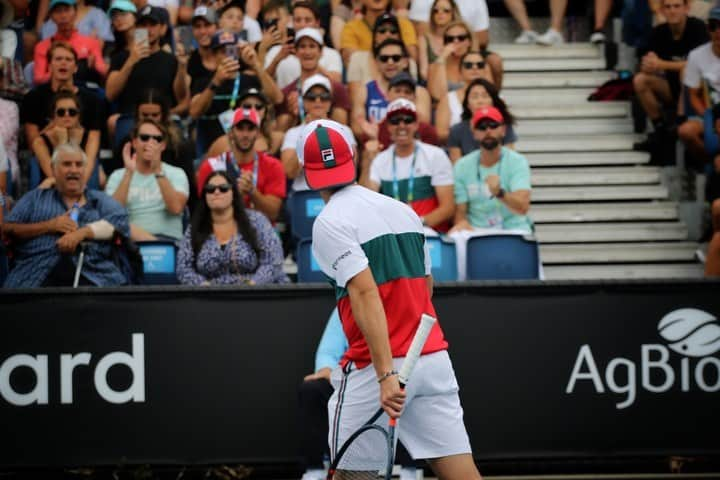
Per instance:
{"type": "Point", "coordinates": [333, 343]}
{"type": "Point", "coordinates": [36, 257]}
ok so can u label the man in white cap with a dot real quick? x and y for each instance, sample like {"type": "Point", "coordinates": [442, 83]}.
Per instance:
{"type": "Point", "coordinates": [411, 171]}
{"type": "Point", "coordinates": [372, 249]}
{"type": "Point", "coordinates": [308, 48]}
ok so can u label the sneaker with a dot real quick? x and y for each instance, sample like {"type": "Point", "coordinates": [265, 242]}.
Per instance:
{"type": "Point", "coordinates": [314, 475]}
{"type": "Point", "coordinates": [598, 37]}
{"type": "Point", "coordinates": [527, 37]}
{"type": "Point", "coordinates": [551, 37]}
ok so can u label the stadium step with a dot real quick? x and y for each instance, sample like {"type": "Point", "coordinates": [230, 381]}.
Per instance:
{"type": "Point", "coordinates": [558, 159]}
{"type": "Point", "coordinates": [511, 51]}
{"type": "Point", "coordinates": [603, 212]}
{"type": "Point", "coordinates": [528, 97]}
{"type": "Point", "coordinates": [555, 79]}
{"type": "Point", "coordinates": [596, 176]}
{"type": "Point", "coordinates": [579, 126]}
{"type": "Point", "coordinates": [577, 143]}
{"type": "Point", "coordinates": [618, 253]}
{"type": "Point", "coordinates": [599, 193]}
{"type": "Point", "coordinates": [627, 271]}
{"type": "Point", "coordinates": [553, 64]}
{"type": "Point", "coordinates": [611, 232]}
{"type": "Point", "coordinates": [579, 110]}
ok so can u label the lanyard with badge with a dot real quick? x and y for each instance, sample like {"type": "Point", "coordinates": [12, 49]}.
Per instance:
{"type": "Point", "coordinates": [238, 172]}
{"type": "Point", "coordinates": [226, 117]}
{"type": "Point", "coordinates": [411, 178]}
{"type": "Point", "coordinates": [301, 105]}
{"type": "Point", "coordinates": [494, 219]}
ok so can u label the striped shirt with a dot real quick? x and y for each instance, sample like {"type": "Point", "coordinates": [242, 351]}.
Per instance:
{"type": "Point", "coordinates": [359, 228]}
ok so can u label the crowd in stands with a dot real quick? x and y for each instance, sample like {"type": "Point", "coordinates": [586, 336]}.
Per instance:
{"type": "Point", "coordinates": [149, 120]}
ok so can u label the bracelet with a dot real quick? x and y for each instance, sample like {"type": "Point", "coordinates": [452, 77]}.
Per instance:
{"type": "Point", "coordinates": [386, 375]}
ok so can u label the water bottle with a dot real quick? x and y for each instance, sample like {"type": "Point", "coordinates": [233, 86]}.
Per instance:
{"type": "Point", "coordinates": [75, 213]}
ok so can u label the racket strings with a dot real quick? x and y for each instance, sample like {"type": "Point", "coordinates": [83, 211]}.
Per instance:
{"type": "Point", "coordinates": [368, 456]}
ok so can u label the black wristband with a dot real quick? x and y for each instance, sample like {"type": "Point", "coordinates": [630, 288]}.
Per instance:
{"type": "Point", "coordinates": [501, 193]}
{"type": "Point", "coordinates": [213, 87]}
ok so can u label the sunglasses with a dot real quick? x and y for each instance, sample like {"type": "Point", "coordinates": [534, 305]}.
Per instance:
{"type": "Point", "coordinates": [256, 106]}
{"type": "Point", "coordinates": [311, 97]}
{"type": "Point", "coordinates": [469, 65]}
{"type": "Point", "coordinates": [713, 25]}
{"type": "Point", "coordinates": [387, 58]}
{"type": "Point", "coordinates": [223, 187]}
{"type": "Point", "coordinates": [456, 38]}
{"type": "Point", "coordinates": [385, 30]}
{"type": "Point", "coordinates": [398, 119]}
{"type": "Point", "coordinates": [145, 137]}
{"type": "Point", "coordinates": [69, 112]}
{"type": "Point", "coordinates": [441, 10]}
{"type": "Point", "coordinates": [487, 126]}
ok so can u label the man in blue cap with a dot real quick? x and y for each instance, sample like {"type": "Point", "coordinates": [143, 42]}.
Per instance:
{"type": "Point", "coordinates": [89, 52]}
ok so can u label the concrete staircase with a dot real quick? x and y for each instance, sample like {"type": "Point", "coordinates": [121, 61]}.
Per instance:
{"type": "Point", "coordinates": [601, 212]}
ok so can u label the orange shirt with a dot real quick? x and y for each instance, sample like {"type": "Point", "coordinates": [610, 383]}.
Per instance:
{"type": "Point", "coordinates": [85, 47]}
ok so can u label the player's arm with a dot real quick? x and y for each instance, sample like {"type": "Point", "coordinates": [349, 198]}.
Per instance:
{"type": "Point", "coordinates": [369, 315]}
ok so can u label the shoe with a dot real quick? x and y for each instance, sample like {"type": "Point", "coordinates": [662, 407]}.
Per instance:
{"type": "Point", "coordinates": [649, 145]}
{"type": "Point", "coordinates": [409, 473]}
{"type": "Point", "coordinates": [551, 37]}
{"type": "Point", "coordinates": [314, 475]}
{"type": "Point", "coordinates": [598, 37]}
{"type": "Point", "coordinates": [527, 37]}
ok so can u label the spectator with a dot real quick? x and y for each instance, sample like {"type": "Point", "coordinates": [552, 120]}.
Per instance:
{"type": "Point", "coordinates": [703, 67]}
{"type": "Point", "coordinates": [145, 65]}
{"type": "Point", "coordinates": [201, 64]}
{"type": "Point", "coordinates": [154, 193]}
{"type": "Point", "coordinates": [233, 19]}
{"type": "Point", "coordinates": [480, 93]}
{"type": "Point", "coordinates": [91, 64]}
{"type": "Point", "coordinates": [357, 33]}
{"type": "Point", "coordinates": [9, 126]}
{"type": "Point", "coordinates": [657, 84]}
{"type": "Point", "coordinates": [171, 8]}
{"type": "Point", "coordinates": [260, 177]}
{"type": "Point", "coordinates": [227, 244]}
{"type": "Point", "coordinates": [317, 103]}
{"type": "Point", "coordinates": [552, 36]}
{"type": "Point", "coordinates": [89, 21]}
{"type": "Point", "coordinates": [163, 17]}
{"type": "Point", "coordinates": [65, 127]}
{"type": "Point", "coordinates": [4, 167]}
{"type": "Point", "coordinates": [492, 184]}
{"type": "Point", "coordinates": [45, 237]}
{"type": "Point", "coordinates": [34, 110]}
{"type": "Point", "coordinates": [8, 37]}
{"type": "Point", "coordinates": [449, 109]}
{"type": "Point", "coordinates": [309, 46]}
{"type": "Point", "coordinates": [426, 13]}
{"type": "Point", "coordinates": [285, 70]}
{"type": "Point", "coordinates": [602, 12]}
{"type": "Point", "coordinates": [430, 42]}
{"type": "Point", "coordinates": [122, 18]}
{"type": "Point", "coordinates": [413, 172]}
{"type": "Point", "coordinates": [403, 85]}
{"type": "Point", "coordinates": [370, 103]}
{"type": "Point", "coordinates": [215, 98]}
{"type": "Point", "coordinates": [712, 194]}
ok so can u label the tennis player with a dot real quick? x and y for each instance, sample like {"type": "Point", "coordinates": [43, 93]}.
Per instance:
{"type": "Point", "coordinates": [372, 248]}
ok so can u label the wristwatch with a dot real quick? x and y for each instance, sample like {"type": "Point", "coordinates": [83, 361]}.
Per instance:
{"type": "Point", "coordinates": [160, 175]}
{"type": "Point", "coordinates": [501, 193]}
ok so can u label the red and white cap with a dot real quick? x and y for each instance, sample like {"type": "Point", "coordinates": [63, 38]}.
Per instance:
{"type": "Point", "coordinates": [491, 113]}
{"type": "Point", "coordinates": [325, 150]}
{"type": "Point", "coordinates": [401, 105]}
{"type": "Point", "coordinates": [246, 115]}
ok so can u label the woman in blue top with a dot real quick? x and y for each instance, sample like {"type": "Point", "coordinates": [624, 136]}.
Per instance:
{"type": "Point", "coordinates": [227, 244]}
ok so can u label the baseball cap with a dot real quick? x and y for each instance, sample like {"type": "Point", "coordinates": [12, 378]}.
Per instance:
{"type": "Point", "coordinates": [491, 113]}
{"type": "Point", "coordinates": [123, 6]}
{"type": "Point", "coordinates": [402, 78]}
{"type": "Point", "coordinates": [386, 18]}
{"type": "Point", "coordinates": [232, 4]}
{"type": "Point", "coordinates": [309, 32]}
{"type": "Point", "coordinates": [152, 13]}
{"type": "Point", "coordinates": [205, 12]}
{"type": "Point", "coordinates": [314, 80]}
{"type": "Point", "coordinates": [246, 115]}
{"type": "Point", "coordinates": [55, 3]}
{"type": "Point", "coordinates": [401, 105]}
{"type": "Point", "coordinates": [325, 151]}
{"type": "Point", "coordinates": [714, 13]}
{"type": "Point", "coordinates": [222, 38]}
{"type": "Point", "coordinates": [252, 92]}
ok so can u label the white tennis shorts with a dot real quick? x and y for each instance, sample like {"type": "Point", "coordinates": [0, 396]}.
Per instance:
{"type": "Point", "coordinates": [431, 425]}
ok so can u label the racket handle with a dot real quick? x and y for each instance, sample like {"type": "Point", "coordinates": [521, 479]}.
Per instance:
{"type": "Point", "coordinates": [418, 342]}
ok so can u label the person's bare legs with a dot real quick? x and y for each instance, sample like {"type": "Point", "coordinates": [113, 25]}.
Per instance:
{"type": "Point", "coordinates": [651, 91]}
{"type": "Point", "coordinates": [139, 234]}
{"type": "Point", "coordinates": [455, 467]}
{"type": "Point", "coordinates": [496, 67]}
{"type": "Point", "coordinates": [519, 13]}
{"type": "Point", "coordinates": [557, 14]}
{"type": "Point", "coordinates": [691, 133]}
{"type": "Point", "coordinates": [715, 214]}
{"type": "Point", "coordinates": [712, 261]}
{"type": "Point", "coordinates": [602, 11]}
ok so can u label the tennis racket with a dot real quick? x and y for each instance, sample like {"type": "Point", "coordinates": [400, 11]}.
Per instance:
{"type": "Point", "coordinates": [369, 453]}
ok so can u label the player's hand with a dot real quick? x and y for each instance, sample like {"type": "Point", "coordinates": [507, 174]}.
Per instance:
{"type": "Point", "coordinates": [392, 397]}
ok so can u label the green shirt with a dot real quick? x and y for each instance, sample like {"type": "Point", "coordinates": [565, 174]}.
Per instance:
{"type": "Point", "coordinates": [485, 211]}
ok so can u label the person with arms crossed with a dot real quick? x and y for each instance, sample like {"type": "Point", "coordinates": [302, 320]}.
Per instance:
{"type": "Point", "coordinates": [372, 248]}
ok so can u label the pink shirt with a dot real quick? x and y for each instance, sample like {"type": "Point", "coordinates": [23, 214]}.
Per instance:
{"type": "Point", "coordinates": [84, 47]}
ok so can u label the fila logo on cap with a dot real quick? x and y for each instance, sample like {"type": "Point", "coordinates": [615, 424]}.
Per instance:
{"type": "Point", "coordinates": [326, 151]}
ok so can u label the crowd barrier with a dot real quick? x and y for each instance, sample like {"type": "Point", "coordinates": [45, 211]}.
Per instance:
{"type": "Point", "coordinates": [198, 376]}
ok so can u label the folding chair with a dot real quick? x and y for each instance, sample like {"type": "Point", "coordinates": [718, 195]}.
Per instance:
{"type": "Point", "coordinates": [503, 257]}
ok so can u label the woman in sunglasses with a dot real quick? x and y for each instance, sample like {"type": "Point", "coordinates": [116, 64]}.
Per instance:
{"type": "Point", "coordinates": [64, 127]}
{"type": "Point", "coordinates": [226, 244]}
{"type": "Point", "coordinates": [449, 109]}
{"type": "Point", "coordinates": [431, 44]}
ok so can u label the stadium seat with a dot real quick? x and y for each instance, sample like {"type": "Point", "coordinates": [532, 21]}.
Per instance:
{"type": "Point", "coordinates": [158, 262]}
{"type": "Point", "coordinates": [443, 258]}
{"type": "Point", "coordinates": [502, 257]}
{"type": "Point", "coordinates": [304, 207]}
{"type": "Point", "coordinates": [712, 143]}
{"type": "Point", "coordinates": [308, 268]}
